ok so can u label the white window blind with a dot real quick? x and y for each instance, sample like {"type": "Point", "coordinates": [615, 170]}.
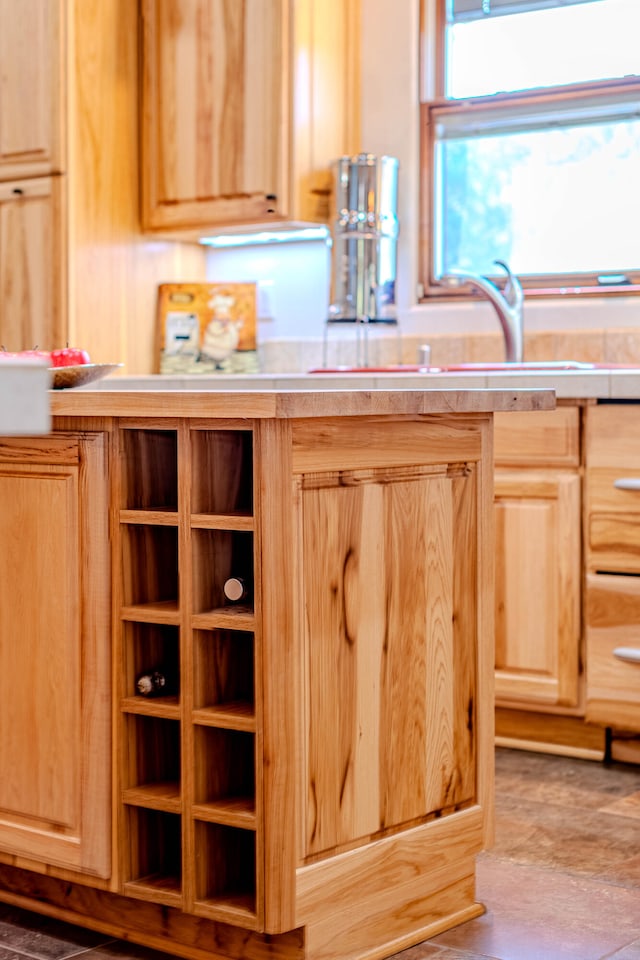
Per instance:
{"type": "Point", "coordinates": [464, 10]}
{"type": "Point", "coordinates": [486, 121]}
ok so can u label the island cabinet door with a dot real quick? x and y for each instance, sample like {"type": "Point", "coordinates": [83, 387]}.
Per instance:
{"type": "Point", "coordinates": [390, 616]}
{"type": "Point", "coordinates": [55, 652]}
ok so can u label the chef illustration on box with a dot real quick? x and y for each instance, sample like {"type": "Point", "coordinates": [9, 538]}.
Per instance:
{"type": "Point", "coordinates": [222, 333]}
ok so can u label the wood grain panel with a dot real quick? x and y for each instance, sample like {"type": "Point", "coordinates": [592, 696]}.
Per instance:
{"type": "Point", "coordinates": [613, 436]}
{"type": "Point", "coordinates": [39, 564]}
{"type": "Point", "coordinates": [379, 571]}
{"type": "Point", "coordinates": [32, 276]}
{"type": "Point", "coordinates": [277, 661]}
{"type": "Point", "coordinates": [151, 924]}
{"type": "Point", "coordinates": [54, 659]}
{"type": "Point", "coordinates": [336, 444]}
{"type": "Point", "coordinates": [612, 514]}
{"type": "Point", "coordinates": [32, 35]}
{"type": "Point", "coordinates": [113, 268]}
{"type": "Point", "coordinates": [613, 620]}
{"type": "Point", "coordinates": [212, 111]}
{"type": "Point", "coordinates": [550, 438]}
{"type": "Point", "coordinates": [538, 600]}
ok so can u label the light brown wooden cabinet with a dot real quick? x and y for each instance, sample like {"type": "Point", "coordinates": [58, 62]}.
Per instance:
{"type": "Point", "coordinates": [613, 563]}
{"type": "Point", "coordinates": [32, 187]}
{"type": "Point", "coordinates": [355, 561]}
{"type": "Point", "coordinates": [244, 106]}
{"type": "Point", "coordinates": [32, 277]}
{"type": "Point", "coordinates": [538, 587]}
{"type": "Point", "coordinates": [74, 266]}
{"type": "Point", "coordinates": [32, 92]}
{"type": "Point", "coordinates": [55, 658]}
{"type": "Point", "coordinates": [538, 508]}
{"type": "Point", "coordinates": [318, 770]}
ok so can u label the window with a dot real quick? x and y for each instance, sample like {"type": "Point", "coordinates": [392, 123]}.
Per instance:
{"type": "Point", "coordinates": [531, 142]}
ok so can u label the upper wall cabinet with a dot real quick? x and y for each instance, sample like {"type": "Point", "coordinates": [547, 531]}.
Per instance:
{"type": "Point", "coordinates": [31, 86]}
{"type": "Point", "coordinates": [244, 106]}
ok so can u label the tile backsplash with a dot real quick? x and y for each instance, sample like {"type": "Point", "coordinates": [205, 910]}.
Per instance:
{"type": "Point", "coordinates": [616, 346]}
{"type": "Point", "coordinates": [293, 297]}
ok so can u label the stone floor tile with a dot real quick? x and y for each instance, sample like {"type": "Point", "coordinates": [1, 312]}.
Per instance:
{"type": "Point", "coordinates": [630, 952]}
{"type": "Point", "coordinates": [538, 914]}
{"type": "Point", "coordinates": [43, 938]}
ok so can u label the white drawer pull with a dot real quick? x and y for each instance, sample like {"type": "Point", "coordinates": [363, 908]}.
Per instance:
{"type": "Point", "coordinates": [628, 654]}
{"type": "Point", "coordinates": [627, 483]}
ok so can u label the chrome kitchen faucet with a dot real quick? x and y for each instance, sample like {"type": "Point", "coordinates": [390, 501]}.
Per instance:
{"type": "Point", "coordinates": [508, 303]}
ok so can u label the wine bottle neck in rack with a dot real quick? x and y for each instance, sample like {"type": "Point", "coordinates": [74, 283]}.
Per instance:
{"type": "Point", "coordinates": [235, 589]}
{"type": "Point", "coordinates": [153, 683]}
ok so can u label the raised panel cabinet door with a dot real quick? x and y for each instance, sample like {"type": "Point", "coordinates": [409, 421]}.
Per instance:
{"type": "Point", "coordinates": [55, 652]}
{"type": "Point", "coordinates": [612, 613]}
{"type": "Point", "coordinates": [537, 587]}
{"type": "Point", "coordinates": [213, 120]}
{"type": "Point", "coordinates": [32, 281]}
{"type": "Point", "coordinates": [31, 87]}
{"type": "Point", "coordinates": [390, 613]}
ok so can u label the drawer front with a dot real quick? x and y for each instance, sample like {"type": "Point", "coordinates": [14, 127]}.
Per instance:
{"type": "Point", "coordinates": [546, 438]}
{"type": "Point", "coordinates": [613, 651]}
{"type": "Point", "coordinates": [613, 488]}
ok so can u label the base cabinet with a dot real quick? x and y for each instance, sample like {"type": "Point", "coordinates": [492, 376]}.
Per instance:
{"type": "Point", "coordinates": [613, 565]}
{"type": "Point", "coordinates": [55, 653]}
{"type": "Point", "coordinates": [538, 587]}
{"type": "Point", "coordinates": [538, 506]}
{"type": "Point", "coordinates": [290, 731]}
{"type": "Point", "coordinates": [613, 651]}
{"type": "Point", "coordinates": [314, 778]}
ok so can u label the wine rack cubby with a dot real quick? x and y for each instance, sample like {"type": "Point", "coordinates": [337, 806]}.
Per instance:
{"type": "Point", "coordinates": [224, 787]}
{"type": "Point", "coordinates": [216, 491]}
{"type": "Point", "coordinates": [149, 475]}
{"type": "Point", "coordinates": [149, 647]}
{"type": "Point", "coordinates": [223, 678]}
{"type": "Point", "coordinates": [218, 555]}
{"type": "Point", "coordinates": [155, 856]}
{"type": "Point", "coordinates": [189, 778]}
{"type": "Point", "coordinates": [225, 870]}
{"type": "Point", "coordinates": [154, 761]}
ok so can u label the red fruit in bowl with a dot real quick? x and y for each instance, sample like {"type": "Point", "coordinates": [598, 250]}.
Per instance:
{"type": "Point", "coordinates": [36, 354]}
{"type": "Point", "coordinates": [69, 357]}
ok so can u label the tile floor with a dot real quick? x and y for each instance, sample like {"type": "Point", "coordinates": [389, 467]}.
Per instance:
{"type": "Point", "coordinates": [561, 883]}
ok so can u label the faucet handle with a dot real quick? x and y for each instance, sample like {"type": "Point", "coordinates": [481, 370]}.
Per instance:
{"type": "Point", "coordinates": [512, 290]}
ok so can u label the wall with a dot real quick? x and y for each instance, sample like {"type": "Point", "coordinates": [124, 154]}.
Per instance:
{"type": "Point", "coordinates": [390, 124]}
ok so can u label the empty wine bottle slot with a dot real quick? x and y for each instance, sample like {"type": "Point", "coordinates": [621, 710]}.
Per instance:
{"type": "Point", "coordinates": [152, 684]}
{"type": "Point", "coordinates": [235, 589]}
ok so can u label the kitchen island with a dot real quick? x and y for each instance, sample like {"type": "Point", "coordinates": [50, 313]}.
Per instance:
{"type": "Point", "coordinates": [315, 778]}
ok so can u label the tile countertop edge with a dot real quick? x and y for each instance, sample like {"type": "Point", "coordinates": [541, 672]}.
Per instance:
{"type": "Point", "coordinates": [602, 384]}
{"type": "Point", "coordinates": [260, 404]}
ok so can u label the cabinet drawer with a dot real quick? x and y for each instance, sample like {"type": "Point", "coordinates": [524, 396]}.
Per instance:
{"type": "Point", "coordinates": [613, 488]}
{"type": "Point", "coordinates": [548, 438]}
{"type": "Point", "coordinates": [613, 643]}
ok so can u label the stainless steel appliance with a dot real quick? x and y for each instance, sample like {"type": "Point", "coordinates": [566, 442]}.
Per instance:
{"type": "Point", "coordinates": [364, 235]}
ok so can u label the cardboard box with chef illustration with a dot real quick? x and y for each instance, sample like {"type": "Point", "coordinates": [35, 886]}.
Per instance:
{"type": "Point", "coordinates": [207, 328]}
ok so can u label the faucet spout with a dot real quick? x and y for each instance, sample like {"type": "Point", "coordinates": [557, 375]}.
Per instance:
{"type": "Point", "coordinates": [508, 304]}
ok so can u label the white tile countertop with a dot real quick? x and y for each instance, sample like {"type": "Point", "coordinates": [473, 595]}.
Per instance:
{"type": "Point", "coordinates": [25, 400]}
{"type": "Point", "coordinates": [601, 383]}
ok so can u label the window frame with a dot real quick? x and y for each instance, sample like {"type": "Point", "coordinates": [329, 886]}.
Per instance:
{"type": "Point", "coordinates": [433, 103]}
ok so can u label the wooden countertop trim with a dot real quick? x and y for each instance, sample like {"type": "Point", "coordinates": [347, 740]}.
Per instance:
{"type": "Point", "coordinates": [275, 404]}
